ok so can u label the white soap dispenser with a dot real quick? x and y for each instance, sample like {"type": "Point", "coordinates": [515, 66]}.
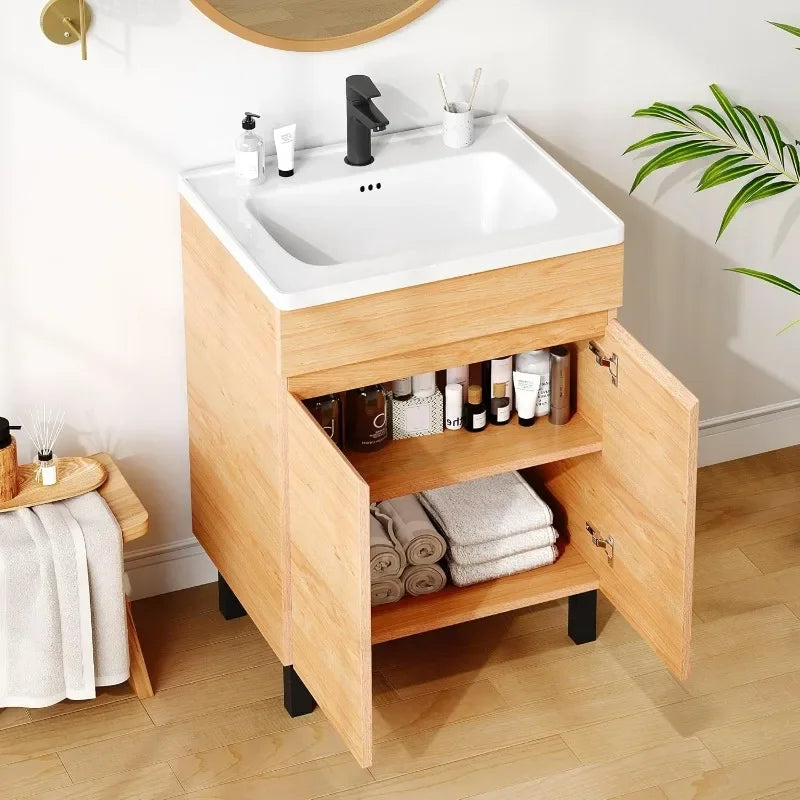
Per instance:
{"type": "Point", "coordinates": [249, 153]}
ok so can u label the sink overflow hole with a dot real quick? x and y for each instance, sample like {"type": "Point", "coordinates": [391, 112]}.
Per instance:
{"type": "Point", "coordinates": [369, 187]}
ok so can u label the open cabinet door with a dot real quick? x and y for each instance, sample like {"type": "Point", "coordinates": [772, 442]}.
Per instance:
{"type": "Point", "coordinates": [330, 592]}
{"type": "Point", "coordinates": [640, 491]}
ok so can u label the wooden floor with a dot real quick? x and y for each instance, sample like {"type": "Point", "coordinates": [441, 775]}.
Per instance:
{"type": "Point", "coordinates": [501, 708]}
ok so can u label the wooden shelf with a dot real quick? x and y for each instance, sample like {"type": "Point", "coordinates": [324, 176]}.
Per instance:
{"type": "Point", "coordinates": [569, 575]}
{"type": "Point", "coordinates": [427, 462]}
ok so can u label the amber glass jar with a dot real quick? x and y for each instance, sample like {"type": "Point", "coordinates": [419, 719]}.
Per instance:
{"type": "Point", "coordinates": [327, 411]}
{"type": "Point", "coordinates": [366, 410]}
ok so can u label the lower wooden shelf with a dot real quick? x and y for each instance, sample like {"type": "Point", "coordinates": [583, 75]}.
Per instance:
{"type": "Point", "coordinates": [427, 462]}
{"type": "Point", "coordinates": [569, 575]}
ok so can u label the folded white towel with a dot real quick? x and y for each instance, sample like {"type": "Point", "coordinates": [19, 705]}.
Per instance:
{"type": "Point", "coordinates": [386, 558]}
{"type": "Point", "coordinates": [479, 511]}
{"type": "Point", "coordinates": [500, 548]}
{"type": "Point", "coordinates": [62, 610]}
{"type": "Point", "coordinates": [386, 590]}
{"type": "Point", "coordinates": [414, 530]}
{"type": "Point", "coordinates": [423, 579]}
{"type": "Point", "coordinates": [466, 575]}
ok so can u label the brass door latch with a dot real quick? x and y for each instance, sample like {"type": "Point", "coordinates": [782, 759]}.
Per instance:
{"type": "Point", "coordinates": [612, 362]}
{"type": "Point", "coordinates": [605, 542]}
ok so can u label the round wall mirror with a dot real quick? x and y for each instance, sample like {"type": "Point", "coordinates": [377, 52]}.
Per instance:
{"type": "Point", "coordinates": [312, 24]}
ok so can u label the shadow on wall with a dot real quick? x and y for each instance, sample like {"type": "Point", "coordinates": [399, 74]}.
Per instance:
{"type": "Point", "coordinates": [138, 12]}
{"type": "Point", "coordinates": [679, 302]}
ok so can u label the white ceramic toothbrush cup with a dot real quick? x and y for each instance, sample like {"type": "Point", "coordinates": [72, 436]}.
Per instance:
{"type": "Point", "coordinates": [458, 128]}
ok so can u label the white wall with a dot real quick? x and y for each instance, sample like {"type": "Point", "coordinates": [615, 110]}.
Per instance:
{"type": "Point", "coordinates": [90, 289]}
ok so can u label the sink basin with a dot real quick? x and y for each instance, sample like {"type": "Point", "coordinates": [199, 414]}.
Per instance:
{"type": "Point", "coordinates": [420, 213]}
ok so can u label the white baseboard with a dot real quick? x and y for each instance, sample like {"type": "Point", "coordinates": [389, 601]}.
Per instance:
{"type": "Point", "coordinates": [179, 565]}
{"type": "Point", "coordinates": [168, 567]}
{"type": "Point", "coordinates": [748, 433]}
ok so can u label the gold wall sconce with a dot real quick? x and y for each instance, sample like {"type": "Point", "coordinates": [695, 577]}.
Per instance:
{"type": "Point", "coordinates": [66, 22]}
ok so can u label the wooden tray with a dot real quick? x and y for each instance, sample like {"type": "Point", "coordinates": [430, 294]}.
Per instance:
{"type": "Point", "coordinates": [76, 476]}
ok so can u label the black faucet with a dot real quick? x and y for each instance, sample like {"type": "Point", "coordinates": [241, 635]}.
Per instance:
{"type": "Point", "coordinates": [363, 117]}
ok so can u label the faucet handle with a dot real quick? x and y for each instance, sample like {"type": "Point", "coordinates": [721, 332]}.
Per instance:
{"type": "Point", "coordinates": [360, 87]}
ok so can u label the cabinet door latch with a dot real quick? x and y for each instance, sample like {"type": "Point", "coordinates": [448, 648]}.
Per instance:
{"type": "Point", "coordinates": [606, 361]}
{"type": "Point", "coordinates": [606, 542]}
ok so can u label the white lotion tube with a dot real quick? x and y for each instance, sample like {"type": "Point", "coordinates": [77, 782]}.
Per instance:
{"type": "Point", "coordinates": [284, 147]}
{"type": "Point", "coordinates": [526, 389]}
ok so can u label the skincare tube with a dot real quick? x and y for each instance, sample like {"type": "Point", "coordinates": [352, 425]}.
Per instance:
{"type": "Point", "coordinates": [526, 389]}
{"type": "Point", "coordinates": [284, 147]}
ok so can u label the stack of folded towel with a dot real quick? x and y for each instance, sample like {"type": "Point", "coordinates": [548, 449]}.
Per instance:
{"type": "Point", "coordinates": [404, 551]}
{"type": "Point", "coordinates": [494, 527]}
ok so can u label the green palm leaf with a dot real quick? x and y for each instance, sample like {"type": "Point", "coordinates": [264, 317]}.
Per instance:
{"type": "Point", "coordinates": [777, 140]}
{"type": "Point", "coordinates": [658, 138]}
{"type": "Point", "coordinates": [752, 120]}
{"type": "Point", "coordinates": [795, 159]}
{"type": "Point", "coordinates": [714, 116]}
{"type": "Point", "coordinates": [788, 28]}
{"type": "Point", "coordinates": [730, 112]}
{"type": "Point", "coordinates": [727, 175]}
{"type": "Point", "coordinates": [677, 154]}
{"type": "Point", "coordinates": [775, 280]}
{"type": "Point", "coordinates": [772, 189]}
{"type": "Point", "coordinates": [743, 197]}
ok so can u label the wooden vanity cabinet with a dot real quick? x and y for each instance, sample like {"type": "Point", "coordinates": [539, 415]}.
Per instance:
{"type": "Point", "coordinates": [283, 513]}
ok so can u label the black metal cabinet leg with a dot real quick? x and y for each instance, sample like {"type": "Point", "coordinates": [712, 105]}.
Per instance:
{"type": "Point", "coordinates": [229, 605]}
{"type": "Point", "coordinates": [582, 617]}
{"type": "Point", "coordinates": [297, 700]}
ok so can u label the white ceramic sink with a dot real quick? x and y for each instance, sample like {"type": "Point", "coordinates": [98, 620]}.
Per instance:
{"type": "Point", "coordinates": [431, 213]}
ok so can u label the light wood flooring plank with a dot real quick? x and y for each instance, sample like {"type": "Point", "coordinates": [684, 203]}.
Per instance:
{"type": "Point", "coordinates": [32, 777]}
{"type": "Point", "coordinates": [170, 668]}
{"type": "Point", "coordinates": [776, 554]}
{"type": "Point", "coordinates": [82, 728]}
{"type": "Point", "coordinates": [318, 778]}
{"type": "Point", "coordinates": [653, 793]}
{"type": "Point", "coordinates": [606, 780]}
{"type": "Point", "coordinates": [215, 694]}
{"type": "Point", "coordinates": [454, 780]}
{"type": "Point", "coordinates": [162, 743]}
{"type": "Point", "coordinates": [195, 631]}
{"type": "Point", "coordinates": [723, 566]}
{"type": "Point", "coordinates": [522, 723]}
{"type": "Point", "coordinates": [746, 595]}
{"type": "Point", "coordinates": [693, 717]}
{"type": "Point", "coordinates": [105, 695]}
{"type": "Point", "coordinates": [10, 717]}
{"type": "Point", "coordinates": [151, 783]}
{"type": "Point", "coordinates": [750, 780]}
{"type": "Point", "coordinates": [177, 605]}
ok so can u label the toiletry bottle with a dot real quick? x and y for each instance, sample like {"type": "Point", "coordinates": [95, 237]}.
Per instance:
{"type": "Point", "coordinates": [401, 388]}
{"type": "Point", "coordinates": [422, 414]}
{"type": "Point", "coordinates": [249, 154]}
{"type": "Point", "coordinates": [367, 423]}
{"type": "Point", "coordinates": [424, 384]}
{"type": "Point", "coordinates": [9, 478]}
{"type": "Point", "coordinates": [500, 407]}
{"type": "Point", "coordinates": [327, 411]}
{"type": "Point", "coordinates": [453, 406]}
{"type": "Point", "coordinates": [475, 412]}
{"type": "Point", "coordinates": [560, 408]}
{"type": "Point", "coordinates": [459, 375]}
{"type": "Point", "coordinates": [496, 371]}
{"type": "Point", "coordinates": [537, 362]}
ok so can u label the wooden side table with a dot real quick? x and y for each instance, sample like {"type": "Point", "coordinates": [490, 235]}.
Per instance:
{"type": "Point", "coordinates": [133, 520]}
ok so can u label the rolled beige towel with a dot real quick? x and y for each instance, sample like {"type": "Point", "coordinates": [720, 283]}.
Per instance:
{"type": "Point", "coordinates": [386, 590]}
{"type": "Point", "coordinates": [386, 558]}
{"type": "Point", "coordinates": [423, 579]}
{"type": "Point", "coordinates": [414, 531]}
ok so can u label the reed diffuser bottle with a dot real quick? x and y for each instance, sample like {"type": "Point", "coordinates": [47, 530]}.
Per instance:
{"type": "Point", "coordinates": [44, 431]}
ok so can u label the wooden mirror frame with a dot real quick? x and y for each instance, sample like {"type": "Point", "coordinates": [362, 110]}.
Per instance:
{"type": "Point", "coordinates": [400, 20]}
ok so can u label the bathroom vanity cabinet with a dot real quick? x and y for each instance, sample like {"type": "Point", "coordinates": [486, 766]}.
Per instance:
{"type": "Point", "coordinates": [283, 513]}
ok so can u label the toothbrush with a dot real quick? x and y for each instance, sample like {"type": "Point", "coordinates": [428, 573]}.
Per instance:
{"type": "Point", "coordinates": [443, 91]}
{"type": "Point", "coordinates": [476, 79]}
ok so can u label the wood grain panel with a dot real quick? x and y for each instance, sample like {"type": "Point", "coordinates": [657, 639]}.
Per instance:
{"type": "Point", "coordinates": [329, 531]}
{"type": "Point", "coordinates": [237, 429]}
{"type": "Point", "coordinates": [426, 462]}
{"type": "Point", "coordinates": [468, 307]}
{"type": "Point", "coordinates": [469, 351]}
{"type": "Point", "coordinates": [140, 678]}
{"type": "Point", "coordinates": [641, 491]}
{"type": "Point", "coordinates": [569, 575]}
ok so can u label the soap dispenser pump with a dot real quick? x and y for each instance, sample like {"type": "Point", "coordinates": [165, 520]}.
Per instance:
{"type": "Point", "coordinates": [249, 153]}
